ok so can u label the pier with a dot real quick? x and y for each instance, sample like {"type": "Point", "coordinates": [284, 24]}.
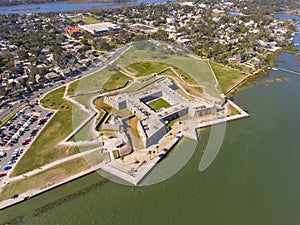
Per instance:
{"type": "Point", "coordinates": [286, 70]}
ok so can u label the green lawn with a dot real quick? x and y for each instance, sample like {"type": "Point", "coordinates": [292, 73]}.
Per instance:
{"type": "Point", "coordinates": [72, 88]}
{"type": "Point", "coordinates": [101, 80]}
{"type": "Point", "coordinates": [199, 89]}
{"type": "Point", "coordinates": [142, 63]}
{"type": "Point", "coordinates": [198, 69]}
{"type": "Point", "coordinates": [44, 149]}
{"type": "Point", "coordinates": [134, 134]}
{"type": "Point", "coordinates": [145, 68]}
{"type": "Point", "coordinates": [168, 72]}
{"type": "Point", "coordinates": [226, 76]}
{"type": "Point", "coordinates": [159, 104]}
{"type": "Point", "coordinates": [92, 83]}
{"type": "Point", "coordinates": [48, 176]}
{"type": "Point", "coordinates": [185, 76]}
{"type": "Point", "coordinates": [117, 80]}
{"type": "Point", "coordinates": [52, 175]}
{"type": "Point", "coordinates": [232, 111]}
{"type": "Point", "coordinates": [100, 104]}
{"type": "Point", "coordinates": [85, 19]}
{"type": "Point", "coordinates": [54, 100]}
{"type": "Point", "coordinates": [133, 126]}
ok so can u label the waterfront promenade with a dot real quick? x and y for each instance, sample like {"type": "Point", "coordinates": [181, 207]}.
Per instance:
{"type": "Point", "coordinates": [134, 174]}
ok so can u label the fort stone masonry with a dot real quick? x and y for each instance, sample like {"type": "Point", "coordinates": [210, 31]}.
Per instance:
{"type": "Point", "coordinates": [152, 124]}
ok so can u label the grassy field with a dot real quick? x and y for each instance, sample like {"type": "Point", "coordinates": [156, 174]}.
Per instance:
{"type": "Point", "coordinates": [100, 104]}
{"type": "Point", "coordinates": [198, 89]}
{"type": "Point", "coordinates": [85, 99]}
{"type": "Point", "coordinates": [52, 175]}
{"type": "Point", "coordinates": [44, 149]}
{"type": "Point", "coordinates": [134, 134]}
{"type": "Point", "coordinates": [133, 126]}
{"type": "Point", "coordinates": [54, 100]}
{"type": "Point", "coordinates": [101, 80]}
{"type": "Point", "coordinates": [91, 83]}
{"type": "Point", "coordinates": [72, 88]}
{"type": "Point", "coordinates": [159, 104]}
{"type": "Point", "coordinates": [198, 69]}
{"type": "Point", "coordinates": [85, 19]}
{"type": "Point", "coordinates": [194, 71]}
{"type": "Point", "coordinates": [86, 133]}
{"type": "Point", "coordinates": [226, 76]}
{"type": "Point", "coordinates": [146, 68]}
{"type": "Point", "coordinates": [117, 80]}
{"type": "Point", "coordinates": [232, 111]}
{"type": "Point", "coordinates": [185, 76]}
{"type": "Point", "coordinates": [45, 178]}
{"type": "Point", "coordinates": [168, 72]}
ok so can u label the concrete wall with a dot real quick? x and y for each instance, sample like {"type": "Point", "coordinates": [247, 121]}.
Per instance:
{"type": "Point", "coordinates": [115, 103]}
{"type": "Point", "coordinates": [151, 97]}
{"type": "Point", "coordinates": [110, 126]}
{"type": "Point", "coordinates": [176, 114]}
{"type": "Point", "coordinates": [201, 112]}
{"type": "Point", "coordinates": [154, 138]}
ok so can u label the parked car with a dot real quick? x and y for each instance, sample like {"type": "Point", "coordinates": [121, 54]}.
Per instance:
{"type": "Point", "coordinates": [15, 196]}
{"type": "Point", "coordinates": [3, 154]}
{"type": "Point", "coordinates": [7, 167]}
{"type": "Point", "coordinates": [11, 162]}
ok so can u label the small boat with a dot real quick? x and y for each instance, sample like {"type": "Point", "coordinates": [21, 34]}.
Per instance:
{"type": "Point", "coordinates": [273, 68]}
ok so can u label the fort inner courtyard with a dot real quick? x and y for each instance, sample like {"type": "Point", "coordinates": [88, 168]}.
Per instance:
{"type": "Point", "coordinates": [148, 121]}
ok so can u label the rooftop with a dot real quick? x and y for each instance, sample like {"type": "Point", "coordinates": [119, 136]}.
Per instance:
{"type": "Point", "coordinates": [99, 27]}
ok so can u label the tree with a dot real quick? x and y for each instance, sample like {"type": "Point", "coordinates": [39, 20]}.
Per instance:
{"type": "Point", "coordinates": [150, 152]}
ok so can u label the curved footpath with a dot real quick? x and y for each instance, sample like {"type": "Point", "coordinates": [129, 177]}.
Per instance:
{"type": "Point", "coordinates": [31, 193]}
{"type": "Point", "coordinates": [5, 180]}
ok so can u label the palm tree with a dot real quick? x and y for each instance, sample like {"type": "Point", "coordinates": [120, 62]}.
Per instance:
{"type": "Point", "coordinates": [171, 134]}
{"type": "Point", "coordinates": [150, 152]}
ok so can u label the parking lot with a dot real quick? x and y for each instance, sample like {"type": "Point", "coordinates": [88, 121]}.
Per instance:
{"type": "Point", "coordinates": [18, 133]}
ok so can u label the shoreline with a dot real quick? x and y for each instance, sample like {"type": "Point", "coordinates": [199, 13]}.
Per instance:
{"type": "Point", "coordinates": [249, 79]}
{"type": "Point", "coordinates": [34, 192]}
{"type": "Point", "coordinates": [120, 174]}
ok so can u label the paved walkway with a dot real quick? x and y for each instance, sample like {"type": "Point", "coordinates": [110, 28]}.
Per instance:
{"type": "Point", "coordinates": [30, 193]}
{"type": "Point", "coordinates": [7, 179]}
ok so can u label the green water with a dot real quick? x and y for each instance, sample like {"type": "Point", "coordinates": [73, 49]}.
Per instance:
{"type": "Point", "coordinates": [254, 180]}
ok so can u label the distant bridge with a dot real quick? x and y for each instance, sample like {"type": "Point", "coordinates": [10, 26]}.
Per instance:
{"type": "Point", "coordinates": [286, 70]}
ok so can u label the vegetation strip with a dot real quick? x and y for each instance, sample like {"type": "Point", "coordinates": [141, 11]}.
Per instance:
{"type": "Point", "coordinates": [14, 221]}
{"type": "Point", "coordinates": [70, 197]}
{"type": "Point", "coordinates": [2, 123]}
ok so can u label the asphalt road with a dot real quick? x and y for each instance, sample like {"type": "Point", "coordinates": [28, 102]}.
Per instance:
{"type": "Point", "coordinates": [6, 112]}
{"type": "Point", "coordinates": [38, 111]}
